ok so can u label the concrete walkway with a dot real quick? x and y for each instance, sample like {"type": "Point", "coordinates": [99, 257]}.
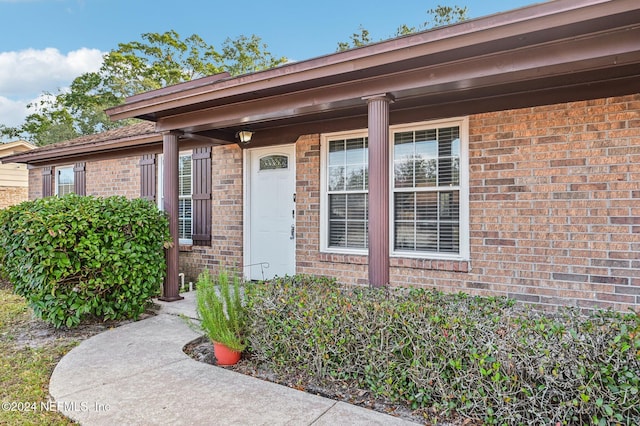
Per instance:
{"type": "Point", "coordinates": [137, 374]}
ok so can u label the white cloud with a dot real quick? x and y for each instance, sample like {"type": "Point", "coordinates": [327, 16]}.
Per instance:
{"type": "Point", "coordinates": [27, 73]}
{"type": "Point", "coordinates": [12, 113]}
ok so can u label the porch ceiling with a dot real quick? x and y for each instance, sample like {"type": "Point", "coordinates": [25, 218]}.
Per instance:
{"type": "Point", "coordinates": [551, 52]}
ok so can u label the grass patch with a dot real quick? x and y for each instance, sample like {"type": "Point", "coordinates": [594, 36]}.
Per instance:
{"type": "Point", "coordinates": [25, 371]}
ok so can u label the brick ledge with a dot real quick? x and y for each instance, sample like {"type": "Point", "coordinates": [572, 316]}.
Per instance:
{"type": "Point", "coordinates": [353, 259]}
{"type": "Point", "coordinates": [400, 262]}
{"type": "Point", "coordinates": [431, 264]}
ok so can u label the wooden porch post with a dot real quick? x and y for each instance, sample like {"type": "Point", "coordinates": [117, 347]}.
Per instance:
{"type": "Point", "coordinates": [379, 189]}
{"type": "Point", "coordinates": [170, 191]}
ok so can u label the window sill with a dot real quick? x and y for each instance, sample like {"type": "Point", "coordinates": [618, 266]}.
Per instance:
{"type": "Point", "coordinates": [185, 247]}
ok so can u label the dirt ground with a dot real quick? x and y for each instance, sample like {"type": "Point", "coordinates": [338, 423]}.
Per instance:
{"type": "Point", "coordinates": [36, 333]}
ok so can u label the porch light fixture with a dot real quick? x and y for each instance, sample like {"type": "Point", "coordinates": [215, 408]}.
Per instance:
{"type": "Point", "coordinates": [244, 136]}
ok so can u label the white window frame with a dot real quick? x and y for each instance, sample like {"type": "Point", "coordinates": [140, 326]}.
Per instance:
{"type": "Point", "coordinates": [464, 251]}
{"type": "Point", "coordinates": [324, 202]}
{"type": "Point", "coordinates": [463, 220]}
{"type": "Point", "coordinates": [160, 190]}
{"type": "Point", "coordinates": [56, 181]}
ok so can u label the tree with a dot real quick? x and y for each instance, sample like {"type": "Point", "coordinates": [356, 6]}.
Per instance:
{"type": "Point", "coordinates": [446, 15]}
{"type": "Point", "coordinates": [48, 122]}
{"type": "Point", "coordinates": [244, 55]}
{"type": "Point", "coordinates": [439, 16]}
{"type": "Point", "coordinates": [360, 38]}
{"type": "Point", "coordinates": [157, 61]}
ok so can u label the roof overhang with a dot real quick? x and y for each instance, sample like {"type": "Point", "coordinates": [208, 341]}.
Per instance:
{"type": "Point", "coordinates": [550, 52]}
{"type": "Point", "coordinates": [130, 140]}
{"type": "Point", "coordinates": [109, 149]}
{"type": "Point", "coordinates": [80, 152]}
{"type": "Point", "coordinates": [558, 51]}
{"type": "Point", "coordinates": [14, 147]}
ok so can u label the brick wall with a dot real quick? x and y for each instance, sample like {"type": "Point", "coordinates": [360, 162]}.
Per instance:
{"type": "Point", "coordinates": [35, 183]}
{"type": "Point", "coordinates": [554, 203]}
{"type": "Point", "coordinates": [227, 220]}
{"type": "Point", "coordinates": [120, 176]}
{"type": "Point", "coordinates": [104, 178]}
{"type": "Point", "coordinates": [11, 195]}
{"type": "Point", "coordinates": [348, 269]}
{"type": "Point", "coordinates": [554, 209]}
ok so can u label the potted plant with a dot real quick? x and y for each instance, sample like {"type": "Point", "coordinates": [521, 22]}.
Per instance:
{"type": "Point", "coordinates": [219, 306]}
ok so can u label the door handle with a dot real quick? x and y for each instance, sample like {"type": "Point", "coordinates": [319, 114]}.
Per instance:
{"type": "Point", "coordinates": [293, 232]}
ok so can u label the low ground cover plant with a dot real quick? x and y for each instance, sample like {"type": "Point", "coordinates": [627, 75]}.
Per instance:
{"type": "Point", "coordinates": [75, 257]}
{"type": "Point", "coordinates": [452, 354]}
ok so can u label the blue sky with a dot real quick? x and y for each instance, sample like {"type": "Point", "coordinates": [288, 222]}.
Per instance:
{"type": "Point", "coordinates": [44, 44]}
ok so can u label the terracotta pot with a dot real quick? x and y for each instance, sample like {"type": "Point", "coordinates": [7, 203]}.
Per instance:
{"type": "Point", "coordinates": [224, 355]}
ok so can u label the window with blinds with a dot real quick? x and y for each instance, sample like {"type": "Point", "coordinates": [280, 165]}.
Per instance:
{"type": "Point", "coordinates": [347, 186]}
{"type": "Point", "coordinates": [185, 199]}
{"type": "Point", "coordinates": [64, 181]}
{"type": "Point", "coordinates": [429, 192]}
{"type": "Point", "coordinates": [426, 190]}
{"type": "Point", "coordinates": [185, 221]}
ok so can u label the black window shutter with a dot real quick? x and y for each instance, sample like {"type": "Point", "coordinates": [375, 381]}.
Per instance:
{"type": "Point", "coordinates": [148, 177]}
{"type": "Point", "coordinates": [46, 182]}
{"type": "Point", "coordinates": [79, 180]}
{"type": "Point", "coordinates": [201, 196]}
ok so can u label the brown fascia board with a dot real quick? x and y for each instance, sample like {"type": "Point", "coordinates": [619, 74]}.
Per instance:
{"type": "Point", "coordinates": [119, 137]}
{"type": "Point", "coordinates": [198, 82]}
{"type": "Point", "coordinates": [107, 148]}
{"type": "Point", "coordinates": [560, 18]}
{"type": "Point", "coordinates": [57, 153]}
{"type": "Point", "coordinates": [153, 146]}
{"type": "Point", "coordinates": [570, 57]}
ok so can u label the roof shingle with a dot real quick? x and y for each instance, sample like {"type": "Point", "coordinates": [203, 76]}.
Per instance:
{"type": "Point", "coordinates": [144, 128]}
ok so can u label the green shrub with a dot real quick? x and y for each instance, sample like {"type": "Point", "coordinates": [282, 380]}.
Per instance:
{"type": "Point", "coordinates": [220, 309]}
{"type": "Point", "coordinates": [73, 257]}
{"type": "Point", "coordinates": [483, 358]}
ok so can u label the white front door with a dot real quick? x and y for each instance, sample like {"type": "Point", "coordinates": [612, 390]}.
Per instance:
{"type": "Point", "coordinates": [271, 212]}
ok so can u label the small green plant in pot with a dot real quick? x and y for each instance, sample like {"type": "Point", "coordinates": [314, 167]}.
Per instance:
{"type": "Point", "coordinates": [222, 314]}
